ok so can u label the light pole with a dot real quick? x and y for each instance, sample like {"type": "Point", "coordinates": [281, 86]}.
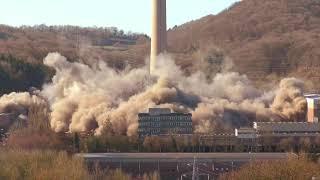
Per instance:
{"type": "Point", "coordinates": [194, 169]}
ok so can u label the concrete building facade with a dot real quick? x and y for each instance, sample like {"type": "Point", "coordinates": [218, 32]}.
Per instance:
{"type": "Point", "coordinates": [246, 133]}
{"type": "Point", "coordinates": [279, 129]}
{"type": "Point", "coordinates": [313, 114]}
{"type": "Point", "coordinates": [161, 121]}
{"type": "Point", "coordinates": [287, 128]}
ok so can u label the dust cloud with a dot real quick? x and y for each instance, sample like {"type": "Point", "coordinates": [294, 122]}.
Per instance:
{"type": "Point", "coordinates": [84, 98]}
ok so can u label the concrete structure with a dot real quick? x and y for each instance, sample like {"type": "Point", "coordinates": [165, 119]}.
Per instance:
{"type": "Point", "coordinates": [160, 121]}
{"type": "Point", "coordinates": [183, 157]}
{"type": "Point", "coordinates": [313, 114]}
{"type": "Point", "coordinates": [279, 129]}
{"type": "Point", "coordinates": [245, 133]}
{"type": "Point", "coordinates": [159, 31]}
{"type": "Point", "coordinates": [159, 111]}
{"type": "Point", "coordinates": [287, 128]}
{"type": "Point", "coordinates": [177, 165]}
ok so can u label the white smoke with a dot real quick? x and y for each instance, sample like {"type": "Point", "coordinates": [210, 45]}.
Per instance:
{"type": "Point", "coordinates": [84, 98]}
{"type": "Point", "coordinates": [14, 104]}
{"type": "Point", "coordinates": [18, 102]}
{"type": "Point", "coordinates": [289, 101]}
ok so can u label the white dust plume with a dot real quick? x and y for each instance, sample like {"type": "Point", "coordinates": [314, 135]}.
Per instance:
{"type": "Point", "coordinates": [84, 98]}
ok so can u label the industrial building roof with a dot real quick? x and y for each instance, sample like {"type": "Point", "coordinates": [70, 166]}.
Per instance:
{"type": "Point", "coordinates": [287, 127]}
{"type": "Point", "coordinates": [246, 129]}
{"type": "Point", "coordinates": [164, 115]}
{"type": "Point", "coordinates": [162, 112]}
{"type": "Point", "coordinates": [312, 96]}
{"type": "Point", "coordinates": [159, 111]}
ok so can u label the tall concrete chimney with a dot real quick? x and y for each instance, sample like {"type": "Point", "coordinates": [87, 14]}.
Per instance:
{"type": "Point", "coordinates": [159, 31]}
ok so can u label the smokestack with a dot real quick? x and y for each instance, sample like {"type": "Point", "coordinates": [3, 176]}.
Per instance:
{"type": "Point", "coordinates": [159, 31]}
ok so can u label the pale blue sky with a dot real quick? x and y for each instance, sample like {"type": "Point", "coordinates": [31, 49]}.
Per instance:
{"type": "Point", "coordinates": [133, 15]}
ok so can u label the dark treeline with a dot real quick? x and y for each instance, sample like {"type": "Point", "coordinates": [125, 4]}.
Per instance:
{"type": "Point", "coordinates": [37, 134]}
{"type": "Point", "coordinates": [22, 50]}
{"type": "Point", "coordinates": [18, 75]}
{"type": "Point", "coordinates": [116, 143]}
{"type": "Point", "coordinates": [84, 31]}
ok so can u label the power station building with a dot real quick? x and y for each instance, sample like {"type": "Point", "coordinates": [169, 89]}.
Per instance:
{"type": "Point", "coordinates": [287, 128]}
{"type": "Point", "coordinates": [313, 114]}
{"type": "Point", "coordinates": [309, 128]}
{"type": "Point", "coordinates": [279, 129]}
{"type": "Point", "coordinates": [161, 121]}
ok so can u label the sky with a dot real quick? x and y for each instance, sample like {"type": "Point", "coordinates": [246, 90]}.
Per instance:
{"type": "Point", "coordinates": [129, 15]}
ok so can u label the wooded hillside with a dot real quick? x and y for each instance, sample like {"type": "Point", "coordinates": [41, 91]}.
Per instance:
{"type": "Point", "coordinates": [267, 40]}
{"type": "Point", "coordinates": [263, 38]}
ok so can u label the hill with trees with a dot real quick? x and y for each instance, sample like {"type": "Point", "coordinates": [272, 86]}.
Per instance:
{"type": "Point", "coordinates": [266, 40]}
{"type": "Point", "coordinates": [274, 38]}
{"type": "Point", "coordinates": [23, 49]}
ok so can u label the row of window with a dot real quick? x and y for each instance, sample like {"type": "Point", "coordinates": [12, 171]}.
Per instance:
{"type": "Point", "coordinates": [177, 124]}
{"type": "Point", "coordinates": [149, 124]}
{"type": "Point", "coordinates": [160, 118]}
{"type": "Point", "coordinates": [153, 124]}
{"type": "Point", "coordinates": [150, 131]}
{"type": "Point", "coordinates": [167, 130]}
{"type": "Point", "coordinates": [178, 130]}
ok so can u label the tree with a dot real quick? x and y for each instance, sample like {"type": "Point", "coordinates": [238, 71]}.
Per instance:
{"type": "Point", "coordinates": [76, 142]}
{"type": "Point", "coordinates": [93, 144]}
{"type": "Point", "coordinates": [287, 144]}
{"type": "Point", "coordinates": [152, 144]}
{"type": "Point", "coordinates": [175, 147]}
{"type": "Point", "coordinates": [195, 143]}
{"type": "Point", "coordinates": [151, 176]}
{"type": "Point", "coordinates": [305, 144]}
{"type": "Point", "coordinates": [107, 135]}
{"type": "Point", "coordinates": [34, 132]}
{"type": "Point", "coordinates": [108, 128]}
{"type": "Point", "coordinates": [301, 168]}
{"type": "Point", "coordinates": [38, 118]}
{"type": "Point", "coordinates": [135, 143]}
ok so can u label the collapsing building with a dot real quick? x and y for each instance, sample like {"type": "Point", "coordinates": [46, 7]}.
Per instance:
{"type": "Point", "coordinates": [161, 121]}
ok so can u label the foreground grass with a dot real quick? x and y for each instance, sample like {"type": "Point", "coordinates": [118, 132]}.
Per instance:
{"type": "Point", "coordinates": [51, 165]}
{"type": "Point", "coordinates": [295, 168]}
{"type": "Point", "coordinates": [18, 164]}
